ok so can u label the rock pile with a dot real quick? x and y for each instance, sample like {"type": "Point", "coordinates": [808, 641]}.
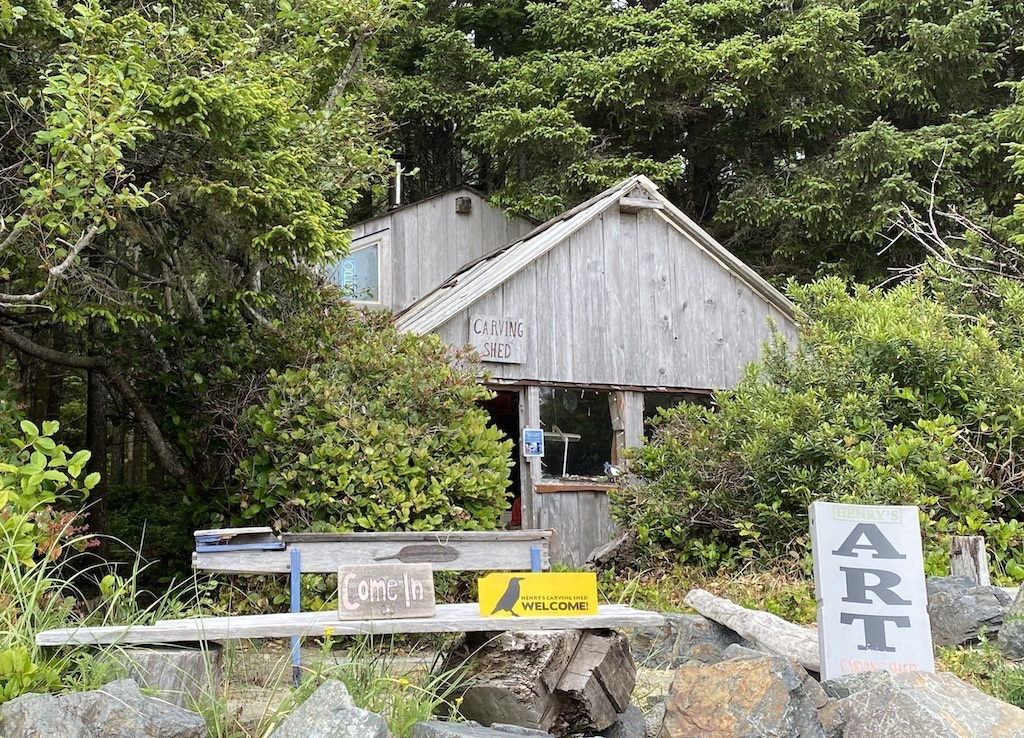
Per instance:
{"type": "Point", "coordinates": [726, 684]}
{"type": "Point", "coordinates": [118, 710]}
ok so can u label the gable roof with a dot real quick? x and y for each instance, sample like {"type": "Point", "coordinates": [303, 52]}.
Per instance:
{"type": "Point", "coordinates": [409, 205]}
{"type": "Point", "coordinates": [478, 278]}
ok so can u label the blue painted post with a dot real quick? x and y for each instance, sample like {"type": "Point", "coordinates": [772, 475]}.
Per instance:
{"type": "Point", "coordinates": [535, 558]}
{"type": "Point", "coordinates": [295, 607]}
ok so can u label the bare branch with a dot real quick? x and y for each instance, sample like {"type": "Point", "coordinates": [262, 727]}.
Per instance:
{"type": "Point", "coordinates": [352, 66]}
{"type": "Point", "coordinates": [190, 298]}
{"type": "Point", "coordinates": [54, 274]}
{"type": "Point", "coordinates": [259, 319]}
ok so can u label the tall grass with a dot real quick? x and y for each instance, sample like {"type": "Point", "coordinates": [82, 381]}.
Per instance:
{"type": "Point", "coordinates": [34, 597]}
{"type": "Point", "coordinates": [375, 675]}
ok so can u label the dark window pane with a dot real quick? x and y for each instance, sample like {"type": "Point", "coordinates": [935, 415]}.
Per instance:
{"type": "Point", "coordinates": [653, 401]}
{"type": "Point", "coordinates": [573, 412]}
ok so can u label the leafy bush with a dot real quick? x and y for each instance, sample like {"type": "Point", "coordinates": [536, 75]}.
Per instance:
{"type": "Point", "coordinates": [36, 475]}
{"type": "Point", "coordinates": [888, 398]}
{"type": "Point", "coordinates": [985, 666]}
{"type": "Point", "coordinates": [380, 431]}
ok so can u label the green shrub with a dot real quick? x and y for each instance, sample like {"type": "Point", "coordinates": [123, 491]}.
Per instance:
{"type": "Point", "coordinates": [888, 398]}
{"type": "Point", "coordinates": [37, 475]}
{"type": "Point", "coordinates": [381, 431]}
{"type": "Point", "coordinates": [985, 666]}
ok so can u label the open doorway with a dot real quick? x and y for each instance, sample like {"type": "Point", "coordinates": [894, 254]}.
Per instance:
{"type": "Point", "coordinates": [504, 412]}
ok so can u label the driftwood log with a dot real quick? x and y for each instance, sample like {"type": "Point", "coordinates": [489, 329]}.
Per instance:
{"type": "Point", "coordinates": [762, 629]}
{"type": "Point", "coordinates": [561, 682]}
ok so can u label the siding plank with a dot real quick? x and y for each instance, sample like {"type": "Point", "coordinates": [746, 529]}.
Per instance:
{"type": "Point", "coordinates": [458, 618]}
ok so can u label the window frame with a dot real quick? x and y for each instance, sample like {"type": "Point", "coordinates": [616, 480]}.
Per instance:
{"type": "Point", "coordinates": [382, 241]}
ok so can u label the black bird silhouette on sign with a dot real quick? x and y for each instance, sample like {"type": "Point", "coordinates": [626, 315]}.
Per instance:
{"type": "Point", "coordinates": [510, 598]}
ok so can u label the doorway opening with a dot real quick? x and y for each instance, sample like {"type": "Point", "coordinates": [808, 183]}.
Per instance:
{"type": "Point", "coordinates": [504, 412]}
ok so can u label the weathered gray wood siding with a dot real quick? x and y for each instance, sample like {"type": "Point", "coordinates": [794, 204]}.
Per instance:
{"type": "Point", "coordinates": [426, 242]}
{"type": "Point", "coordinates": [629, 300]}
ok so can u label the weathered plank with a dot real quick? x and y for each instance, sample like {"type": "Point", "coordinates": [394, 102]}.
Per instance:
{"type": "Point", "coordinates": [967, 558]}
{"type": "Point", "coordinates": [457, 618]}
{"type": "Point", "coordinates": [323, 553]}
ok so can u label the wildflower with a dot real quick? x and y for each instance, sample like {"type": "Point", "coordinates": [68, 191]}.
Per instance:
{"type": "Point", "coordinates": [328, 631]}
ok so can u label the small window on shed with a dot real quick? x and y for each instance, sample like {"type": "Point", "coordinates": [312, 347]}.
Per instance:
{"type": "Point", "coordinates": [654, 401]}
{"type": "Point", "coordinates": [577, 427]}
{"type": "Point", "coordinates": [359, 273]}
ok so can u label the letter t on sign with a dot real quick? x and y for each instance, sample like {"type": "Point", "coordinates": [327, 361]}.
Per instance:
{"type": "Point", "coordinates": [869, 587]}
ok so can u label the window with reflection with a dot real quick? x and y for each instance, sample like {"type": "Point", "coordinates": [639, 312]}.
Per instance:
{"type": "Point", "coordinates": [577, 427]}
{"type": "Point", "coordinates": [359, 273]}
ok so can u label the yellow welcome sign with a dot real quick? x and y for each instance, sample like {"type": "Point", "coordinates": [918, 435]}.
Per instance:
{"type": "Point", "coordinates": [543, 595]}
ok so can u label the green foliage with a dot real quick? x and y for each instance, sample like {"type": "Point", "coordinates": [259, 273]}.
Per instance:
{"type": "Point", "coordinates": [986, 668]}
{"type": "Point", "coordinates": [889, 398]}
{"type": "Point", "coordinates": [36, 473]}
{"type": "Point", "coordinates": [177, 171]}
{"type": "Point", "coordinates": [217, 113]}
{"type": "Point", "coordinates": [380, 433]}
{"type": "Point", "coordinates": [796, 131]}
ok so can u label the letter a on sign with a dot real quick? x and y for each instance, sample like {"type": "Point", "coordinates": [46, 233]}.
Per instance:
{"type": "Point", "coordinates": [869, 582]}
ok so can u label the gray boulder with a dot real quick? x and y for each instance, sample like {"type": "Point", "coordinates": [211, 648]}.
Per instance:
{"type": "Point", "coordinates": [442, 729]}
{"type": "Point", "coordinates": [117, 710]}
{"type": "Point", "coordinates": [1011, 634]}
{"type": "Point", "coordinates": [915, 703]}
{"type": "Point", "coordinates": [516, 730]}
{"type": "Point", "coordinates": [681, 640]}
{"type": "Point", "coordinates": [849, 684]}
{"type": "Point", "coordinates": [736, 652]}
{"type": "Point", "coordinates": [960, 610]}
{"type": "Point", "coordinates": [654, 717]}
{"type": "Point", "coordinates": [631, 724]}
{"type": "Point", "coordinates": [330, 713]}
{"type": "Point", "coordinates": [767, 697]}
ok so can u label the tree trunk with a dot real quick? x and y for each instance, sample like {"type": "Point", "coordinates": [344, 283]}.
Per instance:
{"type": "Point", "coordinates": [96, 442]}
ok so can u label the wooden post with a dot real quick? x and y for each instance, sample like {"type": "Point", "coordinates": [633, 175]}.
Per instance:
{"type": "Point", "coordinates": [967, 558]}
{"type": "Point", "coordinates": [187, 676]}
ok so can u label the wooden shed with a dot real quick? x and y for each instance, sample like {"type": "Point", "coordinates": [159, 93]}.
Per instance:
{"type": "Point", "coordinates": [586, 323]}
{"type": "Point", "coordinates": [398, 257]}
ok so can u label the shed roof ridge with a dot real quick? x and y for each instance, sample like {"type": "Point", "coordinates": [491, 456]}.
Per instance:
{"type": "Point", "coordinates": [478, 277]}
{"type": "Point", "coordinates": [442, 303]}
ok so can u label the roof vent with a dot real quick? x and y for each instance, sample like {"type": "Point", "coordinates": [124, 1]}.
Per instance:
{"type": "Point", "coordinates": [463, 205]}
{"type": "Point", "coordinates": [639, 199]}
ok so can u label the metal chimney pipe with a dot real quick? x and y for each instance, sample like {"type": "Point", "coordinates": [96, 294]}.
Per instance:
{"type": "Point", "coordinates": [395, 195]}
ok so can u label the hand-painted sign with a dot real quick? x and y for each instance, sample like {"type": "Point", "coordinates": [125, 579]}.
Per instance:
{"type": "Point", "coordinates": [385, 592]}
{"type": "Point", "coordinates": [544, 595]}
{"type": "Point", "coordinates": [869, 579]}
{"type": "Point", "coordinates": [498, 339]}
